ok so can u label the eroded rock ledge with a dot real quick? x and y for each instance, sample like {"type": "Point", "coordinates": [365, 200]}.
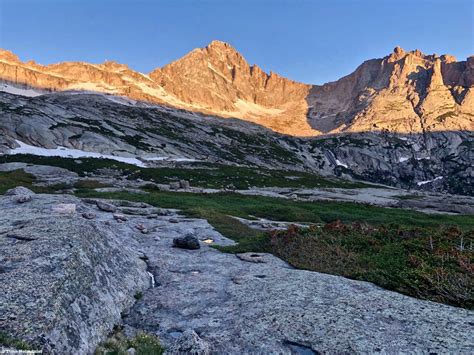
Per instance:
{"type": "Point", "coordinates": [69, 272]}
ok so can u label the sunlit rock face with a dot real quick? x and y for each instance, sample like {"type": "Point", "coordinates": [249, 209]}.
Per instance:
{"type": "Point", "coordinates": [215, 80]}
{"type": "Point", "coordinates": [404, 92]}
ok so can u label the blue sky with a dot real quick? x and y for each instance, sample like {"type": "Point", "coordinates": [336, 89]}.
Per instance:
{"type": "Point", "coordinates": [309, 41]}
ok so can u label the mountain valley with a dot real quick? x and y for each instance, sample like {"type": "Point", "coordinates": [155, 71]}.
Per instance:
{"type": "Point", "coordinates": [208, 207]}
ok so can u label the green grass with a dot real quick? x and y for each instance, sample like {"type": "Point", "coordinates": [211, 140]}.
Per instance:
{"type": "Point", "coordinates": [118, 344]}
{"type": "Point", "coordinates": [89, 184]}
{"type": "Point", "coordinates": [287, 210]}
{"type": "Point", "coordinates": [402, 250]}
{"type": "Point", "coordinates": [10, 342]}
{"type": "Point", "coordinates": [429, 263]}
{"type": "Point", "coordinates": [200, 175]}
{"type": "Point", "coordinates": [11, 179]}
{"type": "Point", "coordinates": [222, 176]}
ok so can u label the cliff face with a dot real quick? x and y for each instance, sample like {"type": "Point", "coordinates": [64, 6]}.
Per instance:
{"type": "Point", "coordinates": [405, 92]}
{"type": "Point", "coordinates": [440, 161]}
{"type": "Point", "coordinates": [218, 80]}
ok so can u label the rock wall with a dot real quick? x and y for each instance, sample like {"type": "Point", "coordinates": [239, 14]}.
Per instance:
{"type": "Point", "coordinates": [99, 123]}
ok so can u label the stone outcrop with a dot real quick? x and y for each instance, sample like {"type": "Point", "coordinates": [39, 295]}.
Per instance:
{"type": "Point", "coordinates": [218, 80]}
{"type": "Point", "coordinates": [96, 124]}
{"type": "Point", "coordinates": [404, 92]}
{"type": "Point", "coordinates": [66, 280]}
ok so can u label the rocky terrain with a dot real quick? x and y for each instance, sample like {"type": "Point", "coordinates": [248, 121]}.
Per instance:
{"type": "Point", "coordinates": [62, 122]}
{"type": "Point", "coordinates": [405, 120]}
{"type": "Point", "coordinates": [404, 92]}
{"type": "Point", "coordinates": [158, 197]}
{"type": "Point", "coordinates": [120, 267]}
{"type": "Point", "coordinates": [424, 201]}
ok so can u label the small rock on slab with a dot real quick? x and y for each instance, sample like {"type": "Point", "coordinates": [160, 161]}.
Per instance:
{"type": "Point", "coordinates": [141, 227]}
{"type": "Point", "coordinates": [187, 242]}
{"type": "Point", "coordinates": [252, 257]}
{"type": "Point", "coordinates": [189, 343]}
{"type": "Point", "coordinates": [23, 198]}
{"type": "Point", "coordinates": [88, 215]}
{"type": "Point", "coordinates": [19, 191]}
{"type": "Point", "coordinates": [106, 207]}
{"type": "Point", "coordinates": [120, 217]}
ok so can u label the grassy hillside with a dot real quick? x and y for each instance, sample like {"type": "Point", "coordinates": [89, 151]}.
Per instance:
{"type": "Point", "coordinates": [199, 174]}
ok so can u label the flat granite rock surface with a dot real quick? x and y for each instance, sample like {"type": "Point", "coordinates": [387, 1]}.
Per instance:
{"type": "Point", "coordinates": [76, 276]}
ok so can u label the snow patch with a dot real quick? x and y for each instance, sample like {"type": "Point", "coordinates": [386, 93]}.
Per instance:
{"type": "Point", "coordinates": [402, 159]}
{"type": "Point", "coordinates": [339, 163]}
{"type": "Point", "coordinates": [421, 183]}
{"type": "Point", "coordinates": [183, 159]}
{"type": "Point", "coordinates": [209, 65]}
{"type": "Point", "coordinates": [19, 91]}
{"type": "Point", "coordinates": [121, 100]}
{"type": "Point", "coordinates": [70, 153]}
{"type": "Point", "coordinates": [167, 158]}
{"type": "Point", "coordinates": [152, 279]}
{"type": "Point", "coordinates": [95, 87]}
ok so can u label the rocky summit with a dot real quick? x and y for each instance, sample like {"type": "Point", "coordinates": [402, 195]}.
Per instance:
{"type": "Point", "coordinates": [404, 120]}
{"type": "Point", "coordinates": [404, 92]}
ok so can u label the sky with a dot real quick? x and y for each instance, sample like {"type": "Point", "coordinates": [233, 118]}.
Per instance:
{"type": "Point", "coordinates": [305, 40]}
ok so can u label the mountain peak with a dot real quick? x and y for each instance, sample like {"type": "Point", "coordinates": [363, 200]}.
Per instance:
{"type": "Point", "coordinates": [219, 44]}
{"type": "Point", "coordinates": [113, 65]}
{"type": "Point", "coordinates": [8, 56]}
{"type": "Point", "coordinates": [216, 79]}
{"type": "Point", "coordinates": [397, 54]}
{"type": "Point", "coordinates": [398, 51]}
{"type": "Point", "coordinates": [221, 49]}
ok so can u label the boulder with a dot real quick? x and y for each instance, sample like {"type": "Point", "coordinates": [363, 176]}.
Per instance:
{"type": "Point", "coordinates": [184, 184]}
{"type": "Point", "coordinates": [19, 191]}
{"type": "Point", "coordinates": [106, 207]}
{"type": "Point", "coordinates": [174, 185]}
{"type": "Point", "coordinates": [188, 241]}
{"type": "Point", "coordinates": [120, 217]}
{"type": "Point", "coordinates": [23, 198]}
{"type": "Point", "coordinates": [88, 215]}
